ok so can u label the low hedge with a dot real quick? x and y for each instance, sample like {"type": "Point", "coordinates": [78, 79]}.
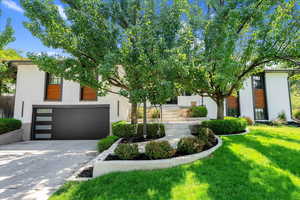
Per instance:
{"type": "Point", "coordinates": [154, 131]}
{"type": "Point", "coordinates": [7, 125]}
{"type": "Point", "coordinates": [127, 151]}
{"type": "Point", "coordinates": [125, 130]}
{"type": "Point", "coordinates": [297, 114]}
{"type": "Point", "coordinates": [198, 111]}
{"type": "Point", "coordinates": [159, 150]}
{"type": "Point", "coordinates": [190, 145]}
{"type": "Point", "coordinates": [105, 143]}
{"type": "Point", "coordinates": [206, 135]}
{"type": "Point", "coordinates": [229, 125]}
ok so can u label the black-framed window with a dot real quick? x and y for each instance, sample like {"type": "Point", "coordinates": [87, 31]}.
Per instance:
{"type": "Point", "coordinates": [259, 97]}
{"type": "Point", "coordinates": [53, 88]}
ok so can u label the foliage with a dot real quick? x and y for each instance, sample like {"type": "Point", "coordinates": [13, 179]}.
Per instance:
{"type": "Point", "coordinates": [7, 125]}
{"type": "Point", "coordinates": [198, 111]}
{"type": "Point", "coordinates": [154, 130]}
{"type": "Point", "coordinates": [225, 42]}
{"type": "Point", "coordinates": [105, 143]}
{"type": "Point", "coordinates": [259, 160]}
{"type": "Point", "coordinates": [190, 145]}
{"type": "Point", "coordinates": [123, 130]}
{"type": "Point", "coordinates": [126, 130]}
{"type": "Point", "coordinates": [282, 116]}
{"type": "Point", "coordinates": [297, 114]}
{"type": "Point", "coordinates": [127, 151]}
{"type": "Point", "coordinates": [6, 74]}
{"type": "Point", "coordinates": [159, 150]}
{"type": "Point", "coordinates": [230, 125]}
{"type": "Point", "coordinates": [207, 136]}
{"type": "Point", "coordinates": [250, 122]}
{"type": "Point", "coordinates": [128, 43]}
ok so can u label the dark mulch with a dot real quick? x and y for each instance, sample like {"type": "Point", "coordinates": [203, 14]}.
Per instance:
{"type": "Point", "coordinates": [86, 173]}
{"type": "Point", "coordinates": [143, 156]}
{"type": "Point", "coordinates": [136, 139]}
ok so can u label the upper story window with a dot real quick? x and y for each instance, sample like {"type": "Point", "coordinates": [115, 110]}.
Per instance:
{"type": "Point", "coordinates": [53, 88]}
{"type": "Point", "coordinates": [88, 94]}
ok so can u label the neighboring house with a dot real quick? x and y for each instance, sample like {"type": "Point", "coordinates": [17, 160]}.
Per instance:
{"type": "Point", "coordinates": [53, 108]}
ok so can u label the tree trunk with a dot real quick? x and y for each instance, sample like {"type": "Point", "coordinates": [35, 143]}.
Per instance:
{"type": "Point", "coordinates": [0, 88]}
{"type": "Point", "coordinates": [134, 117]}
{"type": "Point", "coordinates": [145, 119]}
{"type": "Point", "coordinates": [220, 108]}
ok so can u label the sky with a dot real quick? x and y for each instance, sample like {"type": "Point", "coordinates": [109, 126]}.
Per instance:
{"type": "Point", "coordinates": [25, 42]}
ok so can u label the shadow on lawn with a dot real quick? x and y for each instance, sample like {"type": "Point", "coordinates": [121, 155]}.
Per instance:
{"type": "Point", "coordinates": [226, 174]}
{"type": "Point", "coordinates": [230, 177]}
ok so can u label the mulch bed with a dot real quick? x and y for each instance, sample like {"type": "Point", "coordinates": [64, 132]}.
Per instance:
{"type": "Point", "coordinates": [233, 133]}
{"type": "Point", "coordinates": [143, 156]}
{"type": "Point", "coordinates": [137, 139]}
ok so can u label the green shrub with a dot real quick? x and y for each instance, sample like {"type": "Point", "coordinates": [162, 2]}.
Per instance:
{"type": "Point", "coordinates": [282, 116]}
{"type": "Point", "coordinates": [159, 150]}
{"type": "Point", "coordinates": [7, 125]}
{"type": "Point", "coordinates": [229, 125]}
{"type": "Point", "coordinates": [127, 151]}
{"type": "Point", "coordinates": [206, 135]}
{"type": "Point", "coordinates": [105, 143]}
{"type": "Point", "coordinates": [154, 130]}
{"type": "Point", "coordinates": [190, 145]}
{"type": "Point", "coordinates": [123, 129]}
{"type": "Point", "coordinates": [297, 114]}
{"type": "Point", "coordinates": [198, 111]}
{"type": "Point", "coordinates": [250, 122]}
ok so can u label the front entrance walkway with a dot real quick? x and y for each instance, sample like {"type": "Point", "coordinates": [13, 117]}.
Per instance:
{"type": "Point", "coordinates": [33, 170]}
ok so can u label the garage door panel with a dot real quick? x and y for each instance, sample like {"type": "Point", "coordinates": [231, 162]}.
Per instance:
{"type": "Point", "coordinates": [71, 123]}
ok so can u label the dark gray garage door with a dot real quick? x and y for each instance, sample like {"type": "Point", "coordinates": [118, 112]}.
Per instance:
{"type": "Point", "coordinates": [86, 122]}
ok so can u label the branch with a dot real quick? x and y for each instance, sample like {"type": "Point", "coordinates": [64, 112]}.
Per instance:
{"type": "Point", "coordinates": [248, 18]}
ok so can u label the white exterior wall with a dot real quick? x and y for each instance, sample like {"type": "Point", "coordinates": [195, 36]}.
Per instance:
{"type": "Point", "coordinates": [246, 100]}
{"type": "Point", "coordinates": [30, 88]}
{"type": "Point", "coordinates": [277, 92]}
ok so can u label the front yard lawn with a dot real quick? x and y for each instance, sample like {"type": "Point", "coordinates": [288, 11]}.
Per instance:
{"type": "Point", "coordinates": [265, 164]}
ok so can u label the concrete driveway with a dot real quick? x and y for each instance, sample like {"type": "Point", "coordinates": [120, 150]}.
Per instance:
{"type": "Point", "coordinates": [33, 170]}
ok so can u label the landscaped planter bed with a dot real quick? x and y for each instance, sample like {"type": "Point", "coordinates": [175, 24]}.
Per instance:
{"type": "Point", "coordinates": [103, 166]}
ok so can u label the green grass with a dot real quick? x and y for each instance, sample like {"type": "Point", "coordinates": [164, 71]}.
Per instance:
{"type": "Point", "coordinates": [264, 164]}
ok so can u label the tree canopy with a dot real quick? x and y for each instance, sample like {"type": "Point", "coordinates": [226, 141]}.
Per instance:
{"type": "Point", "coordinates": [228, 41]}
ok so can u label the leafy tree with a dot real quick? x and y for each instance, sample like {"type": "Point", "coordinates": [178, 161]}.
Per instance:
{"type": "Point", "coordinates": [125, 42]}
{"type": "Point", "coordinates": [226, 41]}
{"type": "Point", "coordinates": [6, 36]}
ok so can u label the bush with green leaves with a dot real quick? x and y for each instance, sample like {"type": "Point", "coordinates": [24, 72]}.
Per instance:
{"type": "Point", "coordinates": [297, 114]}
{"type": "Point", "coordinates": [229, 125]}
{"type": "Point", "coordinates": [198, 111]}
{"type": "Point", "coordinates": [206, 135]}
{"type": "Point", "coordinates": [190, 145]}
{"type": "Point", "coordinates": [7, 125]}
{"type": "Point", "coordinates": [155, 114]}
{"type": "Point", "coordinates": [127, 151]}
{"type": "Point", "coordinates": [159, 150]}
{"type": "Point", "coordinates": [105, 143]}
{"type": "Point", "coordinates": [282, 116]}
{"type": "Point", "coordinates": [154, 130]}
{"type": "Point", "coordinates": [123, 129]}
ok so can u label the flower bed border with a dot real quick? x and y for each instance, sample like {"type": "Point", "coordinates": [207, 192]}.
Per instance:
{"type": "Point", "coordinates": [102, 167]}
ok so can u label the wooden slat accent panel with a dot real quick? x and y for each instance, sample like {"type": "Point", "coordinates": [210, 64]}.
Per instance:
{"type": "Point", "coordinates": [89, 94]}
{"type": "Point", "coordinates": [260, 101]}
{"type": "Point", "coordinates": [232, 102]}
{"type": "Point", "coordinates": [53, 92]}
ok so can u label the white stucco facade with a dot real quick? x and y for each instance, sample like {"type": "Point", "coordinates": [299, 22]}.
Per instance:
{"type": "Point", "coordinates": [30, 90]}
{"type": "Point", "coordinates": [278, 96]}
